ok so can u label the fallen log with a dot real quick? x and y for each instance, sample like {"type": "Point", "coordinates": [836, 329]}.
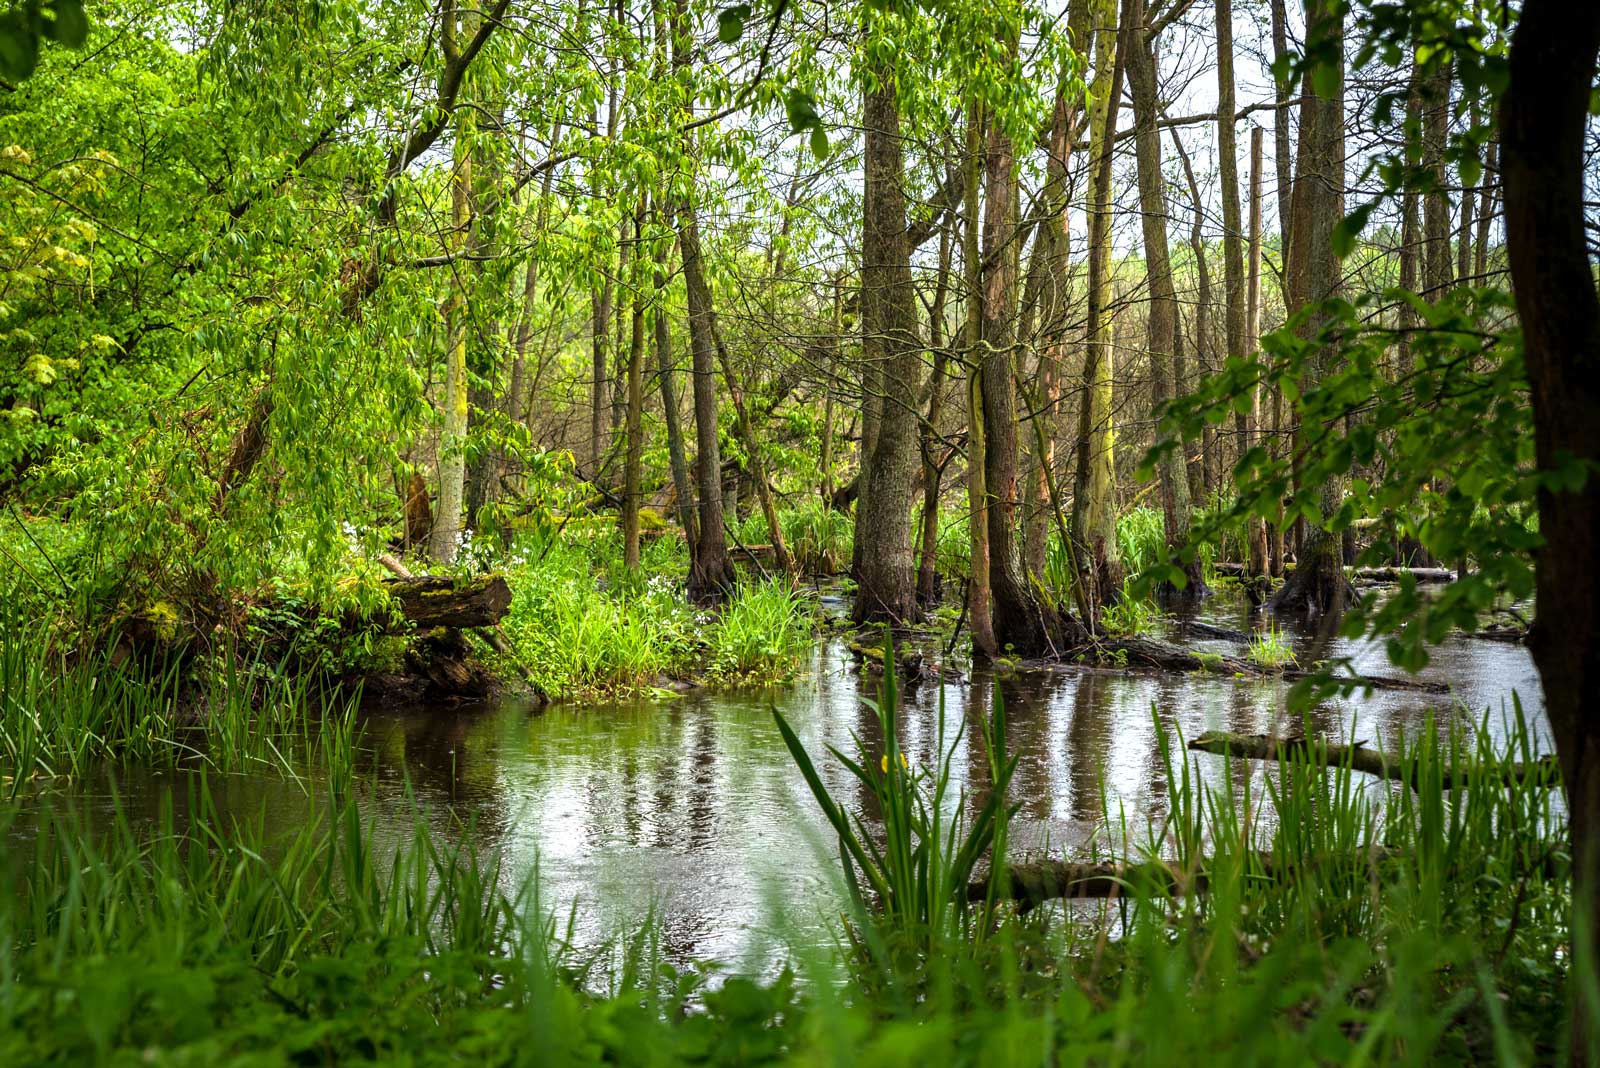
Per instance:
{"type": "Point", "coordinates": [1211, 630]}
{"type": "Point", "coordinates": [429, 601]}
{"type": "Point", "coordinates": [1359, 757]}
{"type": "Point", "coordinates": [1147, 652]}
{"type": "Point", "coordinates": [1501, 633]}
{"type": "Point", "coordinates": [1423, 575]}
{"type": "Point", "coordinates": [1032, 884]}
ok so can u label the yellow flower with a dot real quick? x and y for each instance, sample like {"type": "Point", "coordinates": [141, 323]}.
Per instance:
{"type": "Point", "coordinates": [884, 763]}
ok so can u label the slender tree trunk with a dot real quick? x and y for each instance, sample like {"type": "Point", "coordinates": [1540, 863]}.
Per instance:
{"type": "Point", "coordinates": [1435, 203]}
{"type": "Point", "coordinates": [1544, 119]}
{"type": "Point", "coordinates": [1161, 325]}
{"type": "Point", "coordinates": [633, 429]}
{"type": "Point", "coordinates": [446, 535]}
{"type": "Point", "coordinates": [1486, 211]}
{"type": "Point", "coordinates": [979, 621]}
{"type": "Point", "coordinates": [928, 564]}
{"type": "Point", "coordinates": [666, 365]}
{"type": "Point", "coordinates": [1256, 528]}
{"type": "Point", "coordinates": [1094, 518]}
{"type": "Point", "coordinates": [1201, 477]}
{"type": "Point", "coordinates": [755, 466]}
{"type": "Point", "coordinates": [1235, 309]}
{"type": "Point", "coordinates": [1281, 122]}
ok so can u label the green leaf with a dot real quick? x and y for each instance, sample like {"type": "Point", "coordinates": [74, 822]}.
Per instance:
{"type": "Point", "coordinates": [730, 22]}
{"type": "Point", "coordinates": [70, 26]}
{"type": "Point", "coordinates": [1349, 228]}
{"type": "Point", "coordinates": [19, 45]}
{"type": "Point", "coordinates": [802, 110]}
{"type": "Point", "coordinates": [819, 142]}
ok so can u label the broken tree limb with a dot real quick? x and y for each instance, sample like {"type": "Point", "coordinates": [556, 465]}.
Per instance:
{"type": "Point", "coordinates": [1370, 761]}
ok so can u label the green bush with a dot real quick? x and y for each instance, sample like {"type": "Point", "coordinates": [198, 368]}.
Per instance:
{"type": "Point", "coordinates": [760, 634]}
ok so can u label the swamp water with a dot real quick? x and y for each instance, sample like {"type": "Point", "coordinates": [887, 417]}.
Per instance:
{"type": "Point", "coordinates": [688, 811]}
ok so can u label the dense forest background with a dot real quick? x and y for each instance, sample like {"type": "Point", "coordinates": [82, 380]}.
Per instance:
{"type": "Point", "coordinates": [283, 287]}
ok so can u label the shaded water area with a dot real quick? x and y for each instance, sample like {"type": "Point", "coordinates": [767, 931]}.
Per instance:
{"type": "Point", "coordinates": [688, 810]}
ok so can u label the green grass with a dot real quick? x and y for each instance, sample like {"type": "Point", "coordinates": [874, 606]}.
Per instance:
{"type": "Point", "coordinates": [583, 627]}
{"type": "Point", "coordinates": [760, 634]}
{"type": "Point", "coordinates": [63, 714]}
{"type": "Point", "coordinates": [1269, 650]}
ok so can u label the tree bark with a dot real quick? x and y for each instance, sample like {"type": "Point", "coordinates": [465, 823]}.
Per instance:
{"type": "Point", "coordinates": [1544, 117]}
{"type": "Point", "coordinates": [1161, 324]}
{"type": "Point", "coordinates": [886, 587]}
{"type": "Point", "coordinates": [633, 430]}
{"type": "Point", "coordinates": [445, 537]}
{"type": "Point", "coordinates": [1318, 584]}
{"type": "Point", "coordinates": [1094, 518]}
{"type": "Point", "coordinates": [984, 646]}
{"type": "Point", "coordinates": [1022, 624]}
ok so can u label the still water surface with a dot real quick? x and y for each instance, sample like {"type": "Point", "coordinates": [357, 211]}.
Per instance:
{"type": "Point", "coordinates": [689, 810]}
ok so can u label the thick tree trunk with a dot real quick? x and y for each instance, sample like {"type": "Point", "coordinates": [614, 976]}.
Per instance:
{"type": "Point", "coordinates": [1544, 119]}
{"type": "Point", "coordinates": [429, 601]}
{"type": "Point", "coordinates": [886, 587]}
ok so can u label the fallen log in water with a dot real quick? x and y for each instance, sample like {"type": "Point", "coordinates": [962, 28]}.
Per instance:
{"type": "Point", "coordinates": [1032, 884]}
{"type": "Point", "coordinates": [1365, 574]}
{"type": "Point", "coordinates": [1149, 653]}
{"type": "Point", "coordinates": [1370, 761]}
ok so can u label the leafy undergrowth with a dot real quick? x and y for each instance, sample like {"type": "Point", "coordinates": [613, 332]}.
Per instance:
{"type": "Point", "coordinates": [583, 630]}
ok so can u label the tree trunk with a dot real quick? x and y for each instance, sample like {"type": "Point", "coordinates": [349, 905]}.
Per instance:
{"type": "Point", "coordinates": [711, 573]}
{"type": "Point", "coordinates": [1094, 518]}
{"type": "Point", "coordinates": [667, 366]}
{"type": "Point", "coordinates": [1256, 528]}
{"type": "Point", "coordinates": [1318, 584]}
{"type": "Point", "coordinates": [1161, 325]}
{"type": "Point", "coordinates": [1201, 477]}
{"type": "Point", "coordinates": [633, 431]}
{"type": "Point", "coordinates": [928, 563]}
{"type": "Point", "coordinates": [886, 583]}
{"type": "Point", "coordinates": [445, 537]}
{"type": "Point", "coordinates": [1435, 203]}
{"type": "Point", "coordinates": [1022, 624]}
{"type": "Point", "coordinates": [979, 621]}
{"type": "Point", "coordinates": [755, 466]}
{"type": "Point", "coordinates": [1544, 120]}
